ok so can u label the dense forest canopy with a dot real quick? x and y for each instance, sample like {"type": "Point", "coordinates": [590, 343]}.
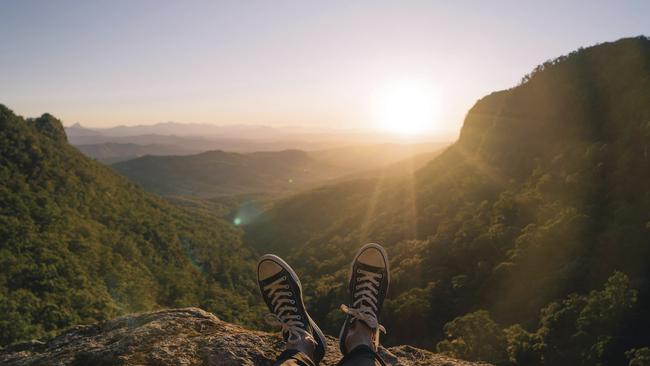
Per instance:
{"type": "Point", "coordinates": [532, 231]}
{"type": "Point", "coordinates": [79, 243]}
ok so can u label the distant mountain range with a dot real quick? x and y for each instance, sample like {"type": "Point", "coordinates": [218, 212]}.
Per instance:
{"type": "Point", "coordinates": [116, 143]}
{"type": "Point", "coordinates": [201, 129]}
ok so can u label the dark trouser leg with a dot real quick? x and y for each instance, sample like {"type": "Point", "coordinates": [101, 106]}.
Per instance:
{"type": "Point", "coordinates": [361, 356]}
{"type": "Point", "coordinates": [292, 357]}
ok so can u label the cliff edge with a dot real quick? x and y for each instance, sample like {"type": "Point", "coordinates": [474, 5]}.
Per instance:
{"type": "Point", "coordinates": [188, 336]}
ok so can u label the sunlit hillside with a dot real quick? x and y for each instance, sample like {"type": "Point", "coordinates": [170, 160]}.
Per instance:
{"type": "Point", "coordinates": [529, 236]}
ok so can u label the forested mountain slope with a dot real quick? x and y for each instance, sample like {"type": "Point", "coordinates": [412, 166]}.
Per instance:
{"type": "Point", "coordinates": [218, 173]}
{"type": "Point", "coordinates": [79, 243]}
{"type": "Point", "coordinates": [221, 173]}
{"type": "Point", "coordinates": [529, 237]}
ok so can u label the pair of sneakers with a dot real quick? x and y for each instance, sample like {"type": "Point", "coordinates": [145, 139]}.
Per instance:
{"type": "Point", "coordinates": [282, 292]}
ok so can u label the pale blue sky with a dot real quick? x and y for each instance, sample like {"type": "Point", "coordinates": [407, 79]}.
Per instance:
{"type": "Point", "coordinates": [104, 63]}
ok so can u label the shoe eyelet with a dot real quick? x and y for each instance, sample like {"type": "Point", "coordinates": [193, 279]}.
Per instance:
{"type": "Point", "coordinates": [284, 278]}
{"type": "Point", "coordinates": [286, 286]}
{"type": "Point", "coordinates": [299, 317]}
{"type": "Point", "coordinates": [293, 301]}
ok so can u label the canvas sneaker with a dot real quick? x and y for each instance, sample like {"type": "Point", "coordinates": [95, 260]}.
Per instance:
{"type": "Point", "coordinates": [369, 279]}
{"type": "Point", "coordinates": [282, 293]}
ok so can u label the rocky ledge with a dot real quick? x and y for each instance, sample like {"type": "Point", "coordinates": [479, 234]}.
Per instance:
{"type": "Point", "coordinates": [187, 336]}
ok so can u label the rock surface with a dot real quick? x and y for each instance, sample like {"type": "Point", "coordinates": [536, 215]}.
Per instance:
{"type": "Point", "coordinates": [187, 336]}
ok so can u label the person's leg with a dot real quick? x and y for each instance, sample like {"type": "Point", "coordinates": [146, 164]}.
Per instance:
{"type": "Point", "coordinates": [282, 293]}
{"type": "Point", "coordinates": [360, 334]}
{"type": "Point", "coordinates": [361, 356]}
{"type": "Point", "coordinates": [292, 357]}
{"type": "Point", "coordinates": [369, 279]}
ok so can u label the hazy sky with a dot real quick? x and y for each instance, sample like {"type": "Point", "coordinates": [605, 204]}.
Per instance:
{"type": "Point", "coordinates": [105, 63]}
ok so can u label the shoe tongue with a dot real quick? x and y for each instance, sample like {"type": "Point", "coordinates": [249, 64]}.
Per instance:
{"type": "Point", "coordinates": [369, 268]}
{"type": "Point", "coordinates": [274, 278]}
{"type": "Point", "coordinates": [373, 272]}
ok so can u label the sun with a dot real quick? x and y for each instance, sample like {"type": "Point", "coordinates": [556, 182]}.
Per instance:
{"type": "Point", "coordinates": [407, 107]}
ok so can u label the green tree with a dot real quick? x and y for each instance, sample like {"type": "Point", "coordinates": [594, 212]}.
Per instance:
{"type": "Point", "coordinates": [580, 329]}
{"type": "Point", "coordinates": [523, 347]}
{"type": "Point", "coordinates": [639, 356]}
{"type": "Point", "coordinates": [476, 337]}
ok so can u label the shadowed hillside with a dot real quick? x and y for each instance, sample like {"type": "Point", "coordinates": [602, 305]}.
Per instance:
{"type": "Point", "coordinates": [220, 173]}
{"type": "Point", "coordinates": [109, 152]}
{"type": "Point", "coordinates": [217, 173]}
{"type": "Point", "coordinates": [525, 242]}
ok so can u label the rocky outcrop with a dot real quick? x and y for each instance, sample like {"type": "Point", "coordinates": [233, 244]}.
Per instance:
{"type": "Point", "coordinates": [187, 336]}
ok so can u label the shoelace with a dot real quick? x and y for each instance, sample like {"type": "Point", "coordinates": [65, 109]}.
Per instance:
{"type": "Point", "coordinates": [367, 290]}
{"type": "Point", "coordinates": [284, 313]}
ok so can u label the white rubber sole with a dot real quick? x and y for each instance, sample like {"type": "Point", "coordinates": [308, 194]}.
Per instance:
{"type": "Point", "coordinates": [294, 276]}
